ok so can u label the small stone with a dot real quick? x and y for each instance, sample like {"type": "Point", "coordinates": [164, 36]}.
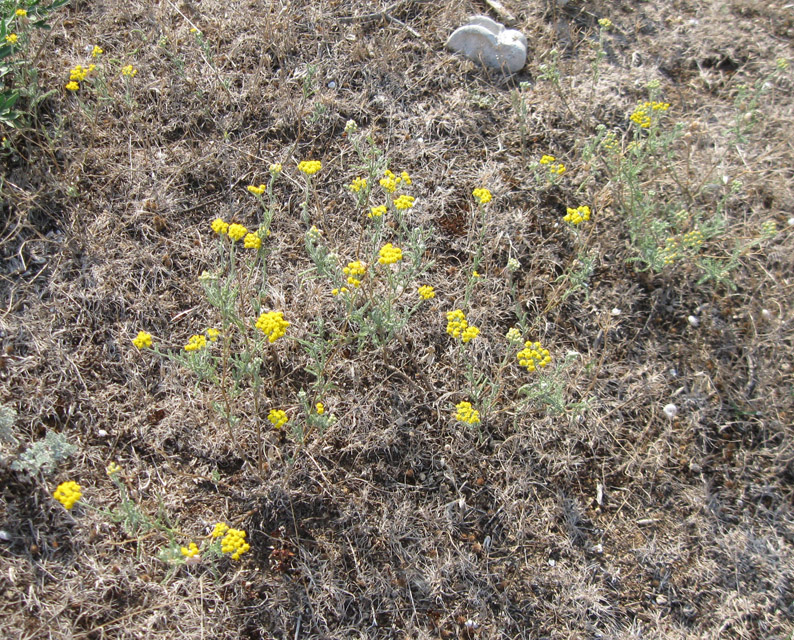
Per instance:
{"type": "Point", "coordinates": [766, 313]}
{"type": "Point", "coordinates": [102, 433]}
{"type": "Point", "coordinates": [332, 85]}
{"type": "Point", "coordinates": [490, 43]}
{"type": "Point", "coordinates": [693, 321]}
{"type": "Point", "coordinates": [616, 311]}
{"type": "Point", "coordinates": [670, 410]}
{"type": "Point", "coordinates": [5, 536]}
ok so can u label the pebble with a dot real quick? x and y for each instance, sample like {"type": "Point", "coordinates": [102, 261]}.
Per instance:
{"type": "Point", "coordinates": [670, 410]}
{"type": "Point", "coordinates": [693, 320]}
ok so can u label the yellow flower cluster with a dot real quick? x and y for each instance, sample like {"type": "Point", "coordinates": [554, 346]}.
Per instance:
{"type": "Point", "coordinates": [358, 184]}
{"type": "Point", "coordinates": [693, 239]}
{"type": "Point", "coordinates": [557, 168]}
{"type": "Point", "coordinates": [377, 212]}
{"type": "Point", "coordinates": [220, 227]}
{"type": "Point", "coordinates": [190, 551]}
{"type": "Point", "coordinates": [466, 413]}
{"type": "Point", "coordinates": [257, 191]}
{"type": "Point", "coordinates": [310, 167]}
{"type": "Point", "coordinates": [236, 232]}
{"type": "Point", "coordinates": [220, 529]}
{"type": "Point", "coordinates": [96, 51]}
{"type": "Point", "coordinates": [459, 328]}
{"type": "Point", "coordinates": [533, 355]}
{"type": "Point", "coordinates": [404, 202]}
{"type": "Point", "coordinates": [129, 71]}
{"type": "Point", "coordinates": [513, 334]}
{"type": "Point", "coordinates": [112, 469]}
{"type": "Point", "coordinates": [142, 340]}
{"type": "Point", "coordinates": [12, 38]}
{"type": "Point", "coordinates": [80, 73]}
{"type": "Point", "coordinates": [641, 116]}
{"type": "Point", "coordinates": [252, 241]}
{"type": "Point", "coordinates": [277, 417]}
{"type": "Point", "coordinates": [196, 343]}
{"type": "Point", "coordinates": [212, 334]}
{"type": "Point", "coordinates": [20, 13]}
{"type": "Point", "coordinates": [670, 252]}
{"type": "Point", "coordinates": [354, 271]}
{"type": "Point", "coordinates": [68, 493]}
{"type": "Point", "coordinates": [320, 408]}
{"type": "Point", "coordinates": [605, 23]}
{"type": "Point", "coordinates": [72, 86]}
{"type": "Point", "coordinates": [426, 292]}
{"type": "Point", "coordinates": [336, 292]}
{"type": "Point", "coordinates": [610, 142]}
{"type": "Point", "coordinates": [275, 169]}
{"type": "Point", "coordinates": [390, 254]}
{"type": "Point", "coordinates": [273, 325]}
{"type": "Point", "coordinates": [390, 182]}
{"type": "Point", "coordinates": [578, 215]}
{"type": "Point", "coordinates": [234, 543]}
{"type": "Point", "coordinates": [483, 196]}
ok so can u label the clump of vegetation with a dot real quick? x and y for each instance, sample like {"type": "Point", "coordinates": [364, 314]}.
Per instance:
{"type": "Point", "coordinates": [292, 317]}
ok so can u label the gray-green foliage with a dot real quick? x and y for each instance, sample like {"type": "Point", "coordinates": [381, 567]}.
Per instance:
{"type": "Point", "coordinates": [7, 418]}
{"type": "Point", "coordinates": [45, 455]}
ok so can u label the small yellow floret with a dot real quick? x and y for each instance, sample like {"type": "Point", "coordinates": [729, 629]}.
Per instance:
{"type": "Point", "coordinates": [273, 325]}
{"type": "Point", "coordinates": [578, 215]}
{"type": "Point", "coordinates": [129, 71]}
{"type": "Point", "coordinates": [12, 38]}
{"type": "Point", "coordinates": [20, 13]}
{"type": "Point", "coordinates": [310, 167]}
{"type": "Point", "coordinates": [426, 292]}
{"type": "Point", "coordinates": [533, 356]}
{"type": "Point", "coordinates": [237, 232]}
{"type": "Point", "coordinates": [72, 86]}
{"type": "Point", "coordinates": [96, 51]}
{"type": "Point", "coordinates": [196, 343]}
{"type": "Point", "coordinates": [275, 169]}
{"type": "Point", "coordinates": [220, 227]}
{"type": "Point", "coordinates": [277, 417]}
{"type": "Point", "coordinates": [404, 202]}
{"type": "Point", "coordinates": [483, 196]}
{"type": "Point", "coordinates": [358, 184]}
{"type": "Point", "coordinates": [257, 191]}
{"type": "Point", "coordinates": [377, 212]}
{"type": "Point", "coordinates": [68, 493]}
{"type": "Point", "coordinates": [143, 339]}
{"type": "Point", "coordinates": [252, 241]}
{"type": "Point", "coordinates": [190, 551]}
{"type": "Point", "coordinates": [466, 413]}
{"type": "Point", "coordinates": [112, 469]}
{"type": "Point", "coordinates": [390, 254]}
{"type": "Point", "coordinates": [320, 408]}
{"type": "Point", "coordinates": [234, 543]}
{"type": "Point", "coordinates": [220, 529]}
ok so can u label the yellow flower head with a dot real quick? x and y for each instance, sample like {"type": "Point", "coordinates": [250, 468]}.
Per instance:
{"type": "Point", "coordinates": [426, 292]}
{"type": "Point", "coordinates": [483, 196]}
{"type": "Point", "coordinates": [212, 334]}
{"type": "Point", "coordinates": [354, 271]}
{"type": "Point", "coordinates": [112, 469]}
{"type": "Point", "coordinates": [405, 178]}
{"type": "Point", "coordinates": [404, 202]}
{"type": "Point", "coordinates": [20, 13]}
{"type": "Point", "coordinates": [237, 232]}
{"type": "Point", "coordinates": [273, 325]}
{"type": "Point", "coordinates": [358, 185]}
{"type": "Point", "coordinates": [220, 529]}
{"type": "Point", "coordinates": [234, 543]}
{"type": "Point", "coordinates": [277, 417]}
{"type": "Point", "coordinates": [252, 241]}
{"type": "Point", "coordinates": [513, 335]}
{"type": "Point", "coordinates": [336, 292]}
{"type": "Point", "coordinates": [190, 551]}
{"type": "Point", "coordinates": [196, 343]}
{"type": "Point", "coordinates": [257, 191]}
{"type": "Point", "coordinates": [605, 23]}
{"type": "Point", "coordinates": [12, 38]}
{"type": "Point", "coordinates": [72, 86]}
{"type": "Point", "coordinates": [96, 51]}
{"type": "Point", "coordinates": [275, 169]}
{"type": "Point", "coordinates": [578, 215]}
{"type": "Point", "coordinates": [310, 167]}
{"type": "Point", "coordinates": [80, 73]}
{"type": "Point", "coordinates": [68, 493]}
{"type": "Point", "coordinates": [390, 254]}
{"type": "Point", "coordinates": [466, 413]}
{"type": "Point", "coordinates": [533, 356]}
{"type": "Point", "coordinates": [377, 212]}
{"type": "Point", "coordinates": [469, 333]}
{"type": "Point", "coordinates": [547, 159]}
{"type": "Point", "coordinates": [220, 227]}
{"type": "Point", "coordinates": [129, 71]}
{"type": "Point", "coordinates": [142, 340]}
{"type": "Point", "coordinates": [389, 181]}
{"type": "Point", "coordinates": [320, 408]}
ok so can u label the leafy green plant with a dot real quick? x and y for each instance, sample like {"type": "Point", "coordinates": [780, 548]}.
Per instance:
{"type": "Point", "coordinates": [45, 455]}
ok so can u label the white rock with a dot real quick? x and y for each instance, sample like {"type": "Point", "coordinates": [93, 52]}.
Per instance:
{"type": "Point", "coordinates": [487, 41]}
{"type": "Point", "coordinates": [670, 410]}
{"type": "Point", "coordinates": [616, 311]}
{"type": "Point", "coordinates": [693, 320]}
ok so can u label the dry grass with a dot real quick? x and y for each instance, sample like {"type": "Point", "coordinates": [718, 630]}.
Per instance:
{"type": "Point", "coordinates": [399, 522]}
